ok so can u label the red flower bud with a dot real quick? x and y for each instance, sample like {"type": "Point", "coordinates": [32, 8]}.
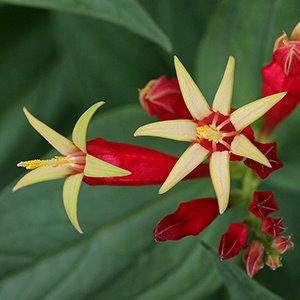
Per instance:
{"type": "Point", "coordinates": [162, 98]}
{"type": "Point", "coordinates": [233, 240]}
{"type": "Point", "coordinates": [147, 166]}
{"type": "Point", "coordinates": [282, 74]}
{"type": "Point", "coordinates": [282, 243]}
{"type": "Point", "coordinates": [273, 261]}
{"type": "Point", "coordinates": [272, 226]}
{"type": "Point", "coordinates": [263, 204]}
{"type": "Point", "coordinates": [253, 257]}
{"type": "Point", "coordinates": [190, 218]}
{"type": "Point", "coordinates": [270, 151]}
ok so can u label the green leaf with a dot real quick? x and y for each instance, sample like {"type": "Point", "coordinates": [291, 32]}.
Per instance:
{"type": "Point", "coordinates": [249, 38]}
{"type": "Point", "coordinates": [239, 285]}
{"type": "Point", "coordinates": [37, 240]}
{"type": "Point", "coordinates": [126, 13]}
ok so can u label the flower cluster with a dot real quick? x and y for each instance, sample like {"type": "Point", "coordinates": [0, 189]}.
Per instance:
{"type": "Point", "coordinates": [219, 134]}
{"type": "Point", "coordinates": [266, 245]}
{"type": "Point", "coordinates": [222, 134]}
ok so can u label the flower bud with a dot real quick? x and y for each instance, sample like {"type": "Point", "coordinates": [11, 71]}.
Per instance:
{"type": "Point", "coordinates": [190, 218]}
{"type": "Point", "coordinates": [282, 74]}
{"type": "Point", "coordinates": [263, 204]}
{"type": "Point", "coordinates": [282, 243]}
{"type": "Point", "coordinates": [147, 166]}
{"type": "Point", "coordinates": [272, 226]}
{"type": "Point", "coordinates": [162, 98]}
{"type": "Point", "coordinates": [270, 152]}
{"type": "Point", "coordinates": [233, 240]}
{"type": "Point", "coordinates": [253, 257]}
{"type": "Point", "coordinates": [273, 261]}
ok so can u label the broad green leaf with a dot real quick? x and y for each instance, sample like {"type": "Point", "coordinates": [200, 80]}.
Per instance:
{"type": "Point", "coordinates": [238, 284]}
{"type": "Point", "coordinates": [127, 13]}
{"type": "Point", "coordinates": [184, 24]}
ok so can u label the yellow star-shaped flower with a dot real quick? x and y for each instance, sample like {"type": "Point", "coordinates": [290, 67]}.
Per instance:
{"type": "Point", "coordinates": [215, 132]}
{"type": "Point", "coordinates": [74, 164]}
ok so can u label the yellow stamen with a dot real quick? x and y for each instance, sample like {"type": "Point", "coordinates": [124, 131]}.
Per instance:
{"type": "Point", "coordinates": [209, 132]}
{"type": "Point", "coordinates": [37, 163]}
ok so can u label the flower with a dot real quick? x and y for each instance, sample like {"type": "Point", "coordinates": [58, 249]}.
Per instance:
{"type": "Point", "coordinates": [162, 98]}
{"type": "Point", "coordinates": [253, 257]}
{"type": "Point", "coordinates": [273, 261]}
{"type": "Point", "coordinates": [214, 133]}
{"type": "Point", "coordinates": [272, 226]}
{"type": "Point", "coordinates": [74, 164]}
{"type": "Point", "coordinates": [282, 74]}
{"type": "Point", "coordinates": [270, 152]}
{"type": "Point", "coordinates": [282, 243]}
{"type": "Point", "coordinates": [233, 240]}
{"type": "Point", "coordinates": [190, 218]}
{"type": "Point", "coordinates": [263, 204]}
{"type": "Point", "coordinates": [147, 166]}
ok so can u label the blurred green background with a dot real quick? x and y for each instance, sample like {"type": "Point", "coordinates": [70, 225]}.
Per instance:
{"type": "Point", "coordinates": [60, 56]}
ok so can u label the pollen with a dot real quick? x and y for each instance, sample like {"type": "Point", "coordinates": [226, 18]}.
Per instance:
{"type": "Point", "coordinates": [37, 163]}
{"type": "Point", "coordinates": [209, 132]}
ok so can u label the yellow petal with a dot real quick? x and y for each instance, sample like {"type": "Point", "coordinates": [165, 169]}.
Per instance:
{"type": "Point", "coordinates": [70, 197]}
{"type": "Point", "coordinates": [222, 101]}
{"type": "Point", "coordinates": [295, 36]}
{"type": "Point", "coordinates": [281, 41]}
{"type": "Point", "coordinates": [179, 130]}
{"type": "Point", "coordinates": [80, 128]}
{"type": "Point", "coordinates": [249, 113]}
{"type": "Point", "coordinates": [42, 174]}
{"type": "Point", "coordinates": [193, 98]}
{"type": "Point", "coordinates": [243, 147]}
{"type": "Point", "coordinates": [95, 167]}
{"type": "Point", "coordinates": [189, 160]}
{"type": "Point", "coordinates": [59, 142]}
{"type": "Point", "coordinates": [220, 176]}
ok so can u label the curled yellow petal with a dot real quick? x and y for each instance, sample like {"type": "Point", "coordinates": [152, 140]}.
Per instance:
{"type": "Point", "coordinates": [95, 167]}
{"type": "Point", "coordinates": [59, 142]}
{"type": "Point", "coordinates": [179, 130]}
{"type": "Point", "coordinates": [193, 98]}
{"type": "Point", "coordinates": [243, 147]}
{"type": "Point", "coordinates": [80, 128]}
{"type": "Point", "coordinates": [70, 197]}
{"type": "Point", "coordinates": [188, 161]}
{"type": "Point", "coordinates": [222, 100]}
{"type": "Point", "coordinates": [42, 174]}
{"type": "Point", "coordinates": [249, 113]}
{"type": "Point", "coordinates": [220, 176]}
{"type": "Point", "coordinates": [295, 36]}
{"type": "Point", "coordinates": [281, 41]}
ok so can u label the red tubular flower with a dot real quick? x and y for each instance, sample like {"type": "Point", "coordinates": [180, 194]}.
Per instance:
{"type": "Point", "coordinates": [95, 162]}
{"type": "Point", "coordinates": [253, 257]}
{"type": "Point", "coordinates": [162, 98]}
{"type": "Point", "coordinates": [272, 226]}
{"type": "Point", "coordinates": [263, 204]}
{"type": "Point", "coordinates": [270, 151]}
{"type": "Point", "coordinates": [147, 166]}
{"type": "Point", "coordinates": [282, 74]}
{"type": "Point", "coordinates": [282, 243]}
{"type": "Point", "coordinates": [233, 240]}
{"type": "Point", "coordinates": [190, 218]}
